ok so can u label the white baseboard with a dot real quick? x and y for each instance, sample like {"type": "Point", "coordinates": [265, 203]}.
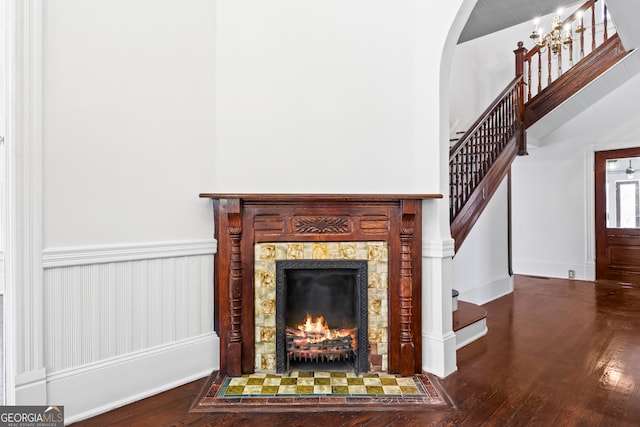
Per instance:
{"type": "Point", "coordinates": [488, 292]}
{"type": "Point", "coordinates": [529, 267]}
{"type": "Point", "coordinates": [590, 270]}
{"type": "Point", "coordinates": [100, 387]}
{"type": "Point", "coordinates": [31, 387]}
{"type": "Point", "coordinates": [470, 333]}
{"type": "Point", "coordinates": [439, 354]}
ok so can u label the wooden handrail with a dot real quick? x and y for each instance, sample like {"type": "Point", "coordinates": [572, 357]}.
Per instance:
{"type": "Point", "coordinates": [471, 158]}
{"type": "Point", "coordinates": [483, 118]}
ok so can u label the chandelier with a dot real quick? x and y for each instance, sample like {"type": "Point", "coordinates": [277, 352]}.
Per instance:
{"type": "Point", "coordinates": [559, 37]}
{"type": "Point", "coordinates": [630, 171]}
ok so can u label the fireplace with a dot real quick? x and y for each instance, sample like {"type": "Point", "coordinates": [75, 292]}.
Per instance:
{"type": "Point", "coordinates": [254, 231]}
{"type": "Point", "coordinates": [322, 315]}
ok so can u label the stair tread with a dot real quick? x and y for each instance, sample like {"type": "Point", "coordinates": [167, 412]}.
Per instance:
{"type": "Point", "coordinates": [467, 314]}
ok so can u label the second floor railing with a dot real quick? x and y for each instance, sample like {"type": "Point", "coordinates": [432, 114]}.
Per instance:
{"type": "Point", "coordinates": [568, 42]}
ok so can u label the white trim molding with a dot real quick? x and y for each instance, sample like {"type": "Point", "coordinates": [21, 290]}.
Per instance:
{"type": "Point", "coordinates": [438, 339]}
{"type": "Point", "coordinates": [1, 273]}
{"type": "Point", "coordinates": [590, 214]}
{"type": "Point", "coordinates": [439, 249]}
{"type": "Point", "coordinates": [489, 291]}
{"type": "Point", "coordinates": [471, 333]}
{"type": "Point", "coordinates": [139, 375]}
{"type": "Point", "coordinates": [31, 386]}
{"type": "Point", "coordinates": [534, 267]}
{"type": "Point", "coordinates": [101, 254]}
{"type": "Point", "coordinates": [23, 256]}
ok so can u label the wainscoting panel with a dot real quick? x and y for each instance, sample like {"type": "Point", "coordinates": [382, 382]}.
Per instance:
{"type": "Point", "coordinates": [96, 312]}
{"type": "Point", "coordinates": [149, 317]}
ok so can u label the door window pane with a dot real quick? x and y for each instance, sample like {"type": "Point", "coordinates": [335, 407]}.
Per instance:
{"type": "Point", "coordinates": [622, 193]}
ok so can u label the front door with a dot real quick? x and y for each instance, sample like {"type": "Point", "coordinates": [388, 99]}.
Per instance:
{"type": "Point", "coordinates": [617, 215]}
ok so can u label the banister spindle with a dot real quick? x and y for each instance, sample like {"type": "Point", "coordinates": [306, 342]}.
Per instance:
{"type": "Point", "coordinates": [539, 72]}
{"type": "Point", "coordinates": [472, 157]}
{"type": "Point", "coordinates": [548, 67]}
{"type": "Point", "coordinates": [559, 59]}
{"type": "Point", "coordinates": [604, 19]}
{"type": "Point", "coordinates": [582, 44]}
{"type": "Point", "coordinates": [529, 79]}
{"type": "Point", "coordinates": [571, 53]}
{"type": "Point", "coordinates": [593, 25]}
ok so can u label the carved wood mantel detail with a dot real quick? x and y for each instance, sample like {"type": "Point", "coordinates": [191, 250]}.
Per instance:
{"type": "Point", "coordinates": [243, 220]}
{"type": "Point", "coordinates": [321, 224]}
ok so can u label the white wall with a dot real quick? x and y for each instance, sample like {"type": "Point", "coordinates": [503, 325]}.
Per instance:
{"type": "Point", "coordinates": [128, 143]}
{"type": "Point", "coordinates": [481, 69]}
{"type": "Point", "coordinates": [553, 228]}
{"type": "Point", "coordinates": [481, 265]}
{"type": "Point", "coordinates": [549, 218]}
{"type": "Point", "coordinates": [316, 96]}
{"type": "Point", "coordinates": [129, 119]}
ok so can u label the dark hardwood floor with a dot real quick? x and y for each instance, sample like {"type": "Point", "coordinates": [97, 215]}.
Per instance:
{"type": "Point", "coordinates": [558, 353]}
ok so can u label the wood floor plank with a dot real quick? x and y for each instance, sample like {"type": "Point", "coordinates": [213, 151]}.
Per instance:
{"type": "Point", "coordinates": [558, 352]}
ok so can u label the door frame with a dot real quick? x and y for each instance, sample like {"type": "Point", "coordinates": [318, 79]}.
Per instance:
{"type": "Point", "coordinates": [600, 228]}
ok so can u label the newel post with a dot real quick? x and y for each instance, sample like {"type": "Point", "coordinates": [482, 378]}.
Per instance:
{"type": "Point", "coordinates": [520, 52]}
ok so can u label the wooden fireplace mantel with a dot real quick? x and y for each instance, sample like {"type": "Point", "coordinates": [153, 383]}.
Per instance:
{"type": "Point", "coordinates": [243, 220]}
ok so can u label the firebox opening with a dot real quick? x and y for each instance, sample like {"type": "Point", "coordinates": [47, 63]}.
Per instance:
{"type": "Point", "coordinates": [321, 315]}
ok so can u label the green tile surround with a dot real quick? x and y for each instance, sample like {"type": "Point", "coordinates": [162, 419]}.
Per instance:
{"type": "Point", "coordinates": [266, 254]}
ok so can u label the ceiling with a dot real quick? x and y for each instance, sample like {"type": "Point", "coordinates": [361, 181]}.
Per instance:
{"type": "Point", "coordinates": [489, 16]}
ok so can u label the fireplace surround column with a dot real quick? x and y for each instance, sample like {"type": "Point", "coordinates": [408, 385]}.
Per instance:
{"type": "Point", "coordinates": [234, 346]}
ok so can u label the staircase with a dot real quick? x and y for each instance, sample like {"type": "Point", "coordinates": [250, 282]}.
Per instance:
{"type": "Point", "coordinates": [482, 157]}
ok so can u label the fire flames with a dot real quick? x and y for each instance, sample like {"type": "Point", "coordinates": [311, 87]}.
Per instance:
{"type": "Point", "coordinates": [317, 331]}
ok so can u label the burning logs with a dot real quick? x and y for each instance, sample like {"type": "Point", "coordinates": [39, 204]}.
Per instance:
{"type": "Point", "coordinates": [315, 342]}
{"type": "Point", "coordinates": [327, 350]}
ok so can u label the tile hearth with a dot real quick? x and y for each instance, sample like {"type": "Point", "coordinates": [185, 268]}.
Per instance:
{"type": "Point", "coordinates": [320, 391]}
{"type": "Point", "coordinates": [301, 383]}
